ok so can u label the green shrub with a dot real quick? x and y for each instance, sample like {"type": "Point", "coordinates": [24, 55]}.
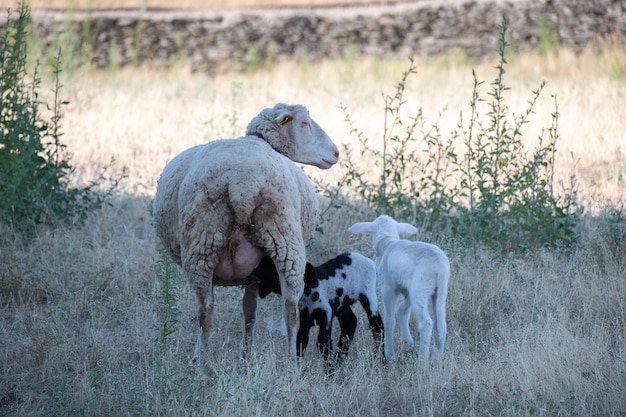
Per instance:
{"type": "Point", "coordinates": [34, 164]}
{"type": "Point", "coordinates": [498, 193]}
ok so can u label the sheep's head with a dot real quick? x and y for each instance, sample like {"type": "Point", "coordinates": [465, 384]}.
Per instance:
{"type": "Point", "coordinates": [381, 228]}
{"type": "Point", "coordinates": [291, 132]}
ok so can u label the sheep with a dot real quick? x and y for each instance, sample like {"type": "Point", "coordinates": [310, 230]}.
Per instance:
{"type": "Point", "coordinates": [220, 207]}
{"type": "Point", "coordinates": [329, 291]}
{"type": "Point", "coordinates": [417, 271]}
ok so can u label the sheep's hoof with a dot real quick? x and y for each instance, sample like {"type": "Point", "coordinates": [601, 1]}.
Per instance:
{"type": "Point", "coordinates": [205, 372]}
{"type": "Point", "coordinates": [208, 380]}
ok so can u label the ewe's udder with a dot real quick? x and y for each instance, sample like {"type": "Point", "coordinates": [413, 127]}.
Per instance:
{"type": "Point", "coordinates": [238, 259]}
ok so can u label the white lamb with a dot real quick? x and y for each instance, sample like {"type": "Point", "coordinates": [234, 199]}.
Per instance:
{"type": "Point", "coordinates": [220, 207]}
{"type": "Point", "coordinates": [417, 271]}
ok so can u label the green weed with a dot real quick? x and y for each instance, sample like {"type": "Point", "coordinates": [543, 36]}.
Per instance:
{"type": "Point", "coordinates": [34, 163]}
{"type": "Point", "coordinates": [169, 280]}
{"type": "Point", "coordinates": [480, 184]}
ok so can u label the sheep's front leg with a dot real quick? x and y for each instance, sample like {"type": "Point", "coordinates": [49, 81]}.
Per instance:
{"type": "Point", "coordinates": [205, 318]}
{"type": "Point", "coordinates": [250, 297]}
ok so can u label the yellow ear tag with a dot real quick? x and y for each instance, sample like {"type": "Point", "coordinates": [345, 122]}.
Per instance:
{"type": "Point", "coordinates": [285, 120]}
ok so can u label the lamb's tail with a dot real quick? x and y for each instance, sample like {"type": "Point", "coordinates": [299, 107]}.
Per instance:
{"type": "Point", "coordinates": [439, 311]}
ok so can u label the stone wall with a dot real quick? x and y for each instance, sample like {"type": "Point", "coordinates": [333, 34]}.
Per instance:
{"type": "Point", "coordinates": [211, 40]}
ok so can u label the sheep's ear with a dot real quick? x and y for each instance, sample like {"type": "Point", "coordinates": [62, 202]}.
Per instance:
{"type": "Point", "coordinates": [362, 227]}
{"type": "Point", "coordinates": [282, 120]}
{"type": "Point", "coordinates": [406, 229]}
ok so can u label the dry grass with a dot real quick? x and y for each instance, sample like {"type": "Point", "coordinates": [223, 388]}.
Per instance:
{"type": "Point", "coordinates": [542, 334]}
{"type": "Point", "coordinates": [181, 4]}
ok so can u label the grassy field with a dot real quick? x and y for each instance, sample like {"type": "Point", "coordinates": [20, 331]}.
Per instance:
{"type": "Point", "coordinates": [538, 334]}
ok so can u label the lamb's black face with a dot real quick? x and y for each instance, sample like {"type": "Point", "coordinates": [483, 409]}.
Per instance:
{"type": "Point", "coordinates": [268, 276]}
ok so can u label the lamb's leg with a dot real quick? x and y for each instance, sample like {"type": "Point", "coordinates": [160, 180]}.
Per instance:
{"type": "Point", "coordinates": [205, 317]}
{"type": "Point", "coordinates": [424, 326]}
{"type": "Point", "coordinates": [250, 297]}
{"type": "Point", "coordinates": [370, 305]}
{"type": "Point", "coordinates": [390, 300]}
{"type": "Point", "coordinates": [347, 322]}
{"type": "Point", "coordinates": [303, 331]}
{"type": "Point", "coordinates": [324, 337]}
{"type": "Point", "coordinates": [439, 320]}
{"type": "Point", "coordinates": [404, 316]}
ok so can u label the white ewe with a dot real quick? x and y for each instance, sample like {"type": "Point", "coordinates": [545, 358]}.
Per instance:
{"type": "Point", "coordinates": [417, 271]}
{"type": "Point", "coordinates": [220, 207]}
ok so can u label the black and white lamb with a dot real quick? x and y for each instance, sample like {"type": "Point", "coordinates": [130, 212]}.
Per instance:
{"type": "Point", "coordinates": [222, 206]}
{"type": "Point", "coordinates": [329, 291]}
{"type": "Point", "coordinates": [416, 271]}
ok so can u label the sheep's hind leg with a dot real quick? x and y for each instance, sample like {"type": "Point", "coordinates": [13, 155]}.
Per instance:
{"type": "Point", "coordinates": [250, 297]}
{"type": "Point", "coordinates": [292, 317]}
{"type": "Point", "coordinates": [205, 318]}
{"type": "Point", "coordinates": [292, 287]}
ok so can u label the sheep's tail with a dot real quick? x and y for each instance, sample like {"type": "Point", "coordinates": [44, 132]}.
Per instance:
{"type": "Point", "coordinates": [243, 205]}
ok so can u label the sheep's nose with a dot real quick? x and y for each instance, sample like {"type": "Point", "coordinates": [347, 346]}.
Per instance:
{"type": "Point", "coordinates": [336, 153]}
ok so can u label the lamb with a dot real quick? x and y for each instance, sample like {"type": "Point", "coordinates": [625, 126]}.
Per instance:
{"type": "Point", "coordinates": [417, 271]}
{"type": "Point", "coordinates": [329, 291]}
{"type": "Point", "coordinates": [222, 206]}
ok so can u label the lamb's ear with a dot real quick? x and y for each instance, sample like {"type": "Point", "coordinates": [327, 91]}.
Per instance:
{"type": "Point", "coordinates": [406, 229]}
{"type": "Point", "coordinates": [363, 227]}
{"type": "Point", "coordinates": [283, 119]}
